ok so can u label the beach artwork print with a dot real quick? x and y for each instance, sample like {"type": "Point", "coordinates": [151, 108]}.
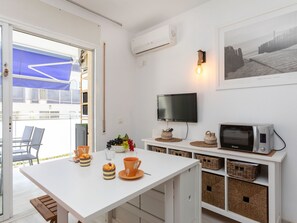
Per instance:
{"type": "Point", "coordinates": [259, 54]}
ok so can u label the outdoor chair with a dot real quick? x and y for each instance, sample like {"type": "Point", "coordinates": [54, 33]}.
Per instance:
{"type": "Point", "coordinates": [33, 148]}
{"type": "Point", "coordinates": [18, 143]}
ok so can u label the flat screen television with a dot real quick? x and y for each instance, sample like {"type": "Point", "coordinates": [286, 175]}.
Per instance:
{"type": "Point", "coordinates": [177, 107]}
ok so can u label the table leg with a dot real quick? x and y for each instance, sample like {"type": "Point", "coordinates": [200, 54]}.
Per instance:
{"type": "Point", "coordinates": [187, 200]}
{"type": "Point", "coordinates": [169, 201]}
{"type": "Point", "coordinates": [62, 214]}
{"type": "Point", "coordinates": [108, 217]}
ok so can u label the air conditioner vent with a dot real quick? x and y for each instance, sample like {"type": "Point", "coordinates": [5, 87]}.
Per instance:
{"type": "Point", "coordinates": [154, 40]}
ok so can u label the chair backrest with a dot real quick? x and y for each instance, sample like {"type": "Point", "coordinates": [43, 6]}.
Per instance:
{"type": "Point", "coordinates": [27, 134]}
{"type": "Point", "coordinates": [36, 138]}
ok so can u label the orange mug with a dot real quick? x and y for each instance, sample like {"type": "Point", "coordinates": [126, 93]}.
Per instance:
{"type": "Point", "coordinates": [81, 150]}
{"type": "Point", "coordinates": [131, 166]}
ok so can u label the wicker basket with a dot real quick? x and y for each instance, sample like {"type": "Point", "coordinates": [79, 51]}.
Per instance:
{"type": "Point", "coordinates": [243, 170]}
{"type": "Point", "coordinates": [210, 162]}
{"type": "Point", "coordinates": [180, 153]}
{"type": "Point", "coordinates": [158, 149]}
{"type": "Point", "coordinates": [248, 199]}
{"type": "Point", "coordinates": [213, 189]}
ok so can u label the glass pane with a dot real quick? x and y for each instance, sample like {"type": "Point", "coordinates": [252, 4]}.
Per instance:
{"type": "Point", "coordinates": [65, 97]}
{"type": "Point", "coordinates": [34, 95]}
{"type": "Point", "coordinates": [75, 96]}
{"type": "Point", "coordinates": [18, 94]}
{"type": "Point", "coordinates": [1, 176]}
{"type": "Point", "coordinates": [53, 97]}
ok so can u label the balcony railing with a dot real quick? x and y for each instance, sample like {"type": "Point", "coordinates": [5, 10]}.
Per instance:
{"type": "Point", "coordinates": [59, 135]}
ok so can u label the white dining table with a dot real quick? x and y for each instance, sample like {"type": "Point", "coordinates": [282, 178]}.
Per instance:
{"type": "Point", "coordinates": [84, 193]}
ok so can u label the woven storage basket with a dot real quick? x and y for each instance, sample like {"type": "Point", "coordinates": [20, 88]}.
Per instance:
{"type": "Point", "coordinates": [210, 162]}
{"type": "Point", "coordinates": [248, 199]}
{"type": "Point", "coordinates": [180, 153]}
{"type": "Point", "coordinates": [213, 189]}
{"type": "Point", "coordinates": [243, 170]}
{"type": "Point", "coordinates": [159, 149]}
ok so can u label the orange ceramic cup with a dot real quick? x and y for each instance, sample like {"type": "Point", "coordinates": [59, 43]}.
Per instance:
{"type": "Point", "coordinates": [81, 150]}
{"type": "Point", "coordinates": [131, 166]}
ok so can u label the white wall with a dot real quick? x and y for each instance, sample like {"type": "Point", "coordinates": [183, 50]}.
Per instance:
{"type": "Point", "coordinates": [172, 71]}
{"type": "Point", "coordinates": [120, 69]}
{"type": "Point", "coordinates": [33, 13]}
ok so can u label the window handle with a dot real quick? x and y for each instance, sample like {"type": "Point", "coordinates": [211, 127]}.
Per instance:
{"type": "Point", "coordinates": [6, 71]}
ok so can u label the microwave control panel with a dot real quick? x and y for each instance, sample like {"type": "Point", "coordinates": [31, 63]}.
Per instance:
{"type": "Point", "coordinates": [266, 140]}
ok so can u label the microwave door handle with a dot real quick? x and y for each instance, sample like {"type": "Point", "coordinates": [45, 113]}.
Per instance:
{"type": "Point", "coordinates": [256, 138]}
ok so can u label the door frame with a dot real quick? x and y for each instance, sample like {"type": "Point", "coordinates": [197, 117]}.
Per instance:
{"type": "Point", "coordinates": [6, 122]}
{"type": "Point", "coordinates": [97, 99]}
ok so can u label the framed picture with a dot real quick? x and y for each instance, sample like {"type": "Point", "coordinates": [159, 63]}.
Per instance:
{"type": "Point", "coordinates": [261, 51]}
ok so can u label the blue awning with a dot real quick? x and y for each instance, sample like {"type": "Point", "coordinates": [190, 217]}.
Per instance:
{"type": "Point", "coordinates": [39, 69]}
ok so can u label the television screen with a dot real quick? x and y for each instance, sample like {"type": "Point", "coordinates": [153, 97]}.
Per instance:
{"type": "Point", "coordinates": [177, 107]}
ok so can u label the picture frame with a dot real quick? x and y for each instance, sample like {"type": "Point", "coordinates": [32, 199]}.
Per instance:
{"type": "Point", "coordinates": [258, 52]}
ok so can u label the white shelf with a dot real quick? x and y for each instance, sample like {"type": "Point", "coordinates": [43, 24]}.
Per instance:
{"type": "Point", "coordinates": [270, 174]}
{"type": "Point", "coordinates": [218, 172]}
{"type": "Point", "coordinates": [262, 180]}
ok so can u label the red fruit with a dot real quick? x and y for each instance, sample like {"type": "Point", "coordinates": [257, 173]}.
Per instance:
{"type": "Point", "coordinates": [131, 144]}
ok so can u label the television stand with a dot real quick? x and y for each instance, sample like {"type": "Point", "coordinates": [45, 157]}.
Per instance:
{"type": "Point", "coordinates": [225, 194]}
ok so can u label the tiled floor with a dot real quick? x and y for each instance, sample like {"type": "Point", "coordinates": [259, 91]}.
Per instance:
{"type": "Point", "coordinates": [23, 191]}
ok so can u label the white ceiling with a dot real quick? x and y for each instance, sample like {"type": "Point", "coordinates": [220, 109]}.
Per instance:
{"type": "Point", "coordinates": [137, 15]}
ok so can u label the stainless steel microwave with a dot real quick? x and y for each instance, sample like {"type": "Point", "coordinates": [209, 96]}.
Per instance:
{"type": "Point", "coordinates": [255, 138]}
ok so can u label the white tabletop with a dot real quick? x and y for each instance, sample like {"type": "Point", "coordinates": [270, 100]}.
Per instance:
{"type": "Point", "coordinates": [82, 190]}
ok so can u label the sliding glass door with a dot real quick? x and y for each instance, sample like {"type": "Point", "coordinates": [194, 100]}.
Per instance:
{"type": "Point", "coordinates": [5, 122]}
{"type": "Point", "coordinates": [1, 135]}
{"type": "Point", "coordinates": [8, 78]}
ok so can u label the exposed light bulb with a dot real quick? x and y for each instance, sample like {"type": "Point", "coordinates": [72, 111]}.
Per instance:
{"type": "Point", "coordinates": [200, 61]}
{"type": "Point", "coordinates": [198, 69]}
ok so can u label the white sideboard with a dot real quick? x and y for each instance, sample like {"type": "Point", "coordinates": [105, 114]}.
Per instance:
{"type": "Point", "coordinates": [268, 183]}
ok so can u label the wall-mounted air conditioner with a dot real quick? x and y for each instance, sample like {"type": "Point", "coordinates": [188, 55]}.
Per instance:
{"type": "Point", "coordinates": [156, 39]}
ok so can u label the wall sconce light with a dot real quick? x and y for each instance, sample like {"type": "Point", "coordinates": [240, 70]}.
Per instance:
{"type": "Point", "coordinates": [201, 60]}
